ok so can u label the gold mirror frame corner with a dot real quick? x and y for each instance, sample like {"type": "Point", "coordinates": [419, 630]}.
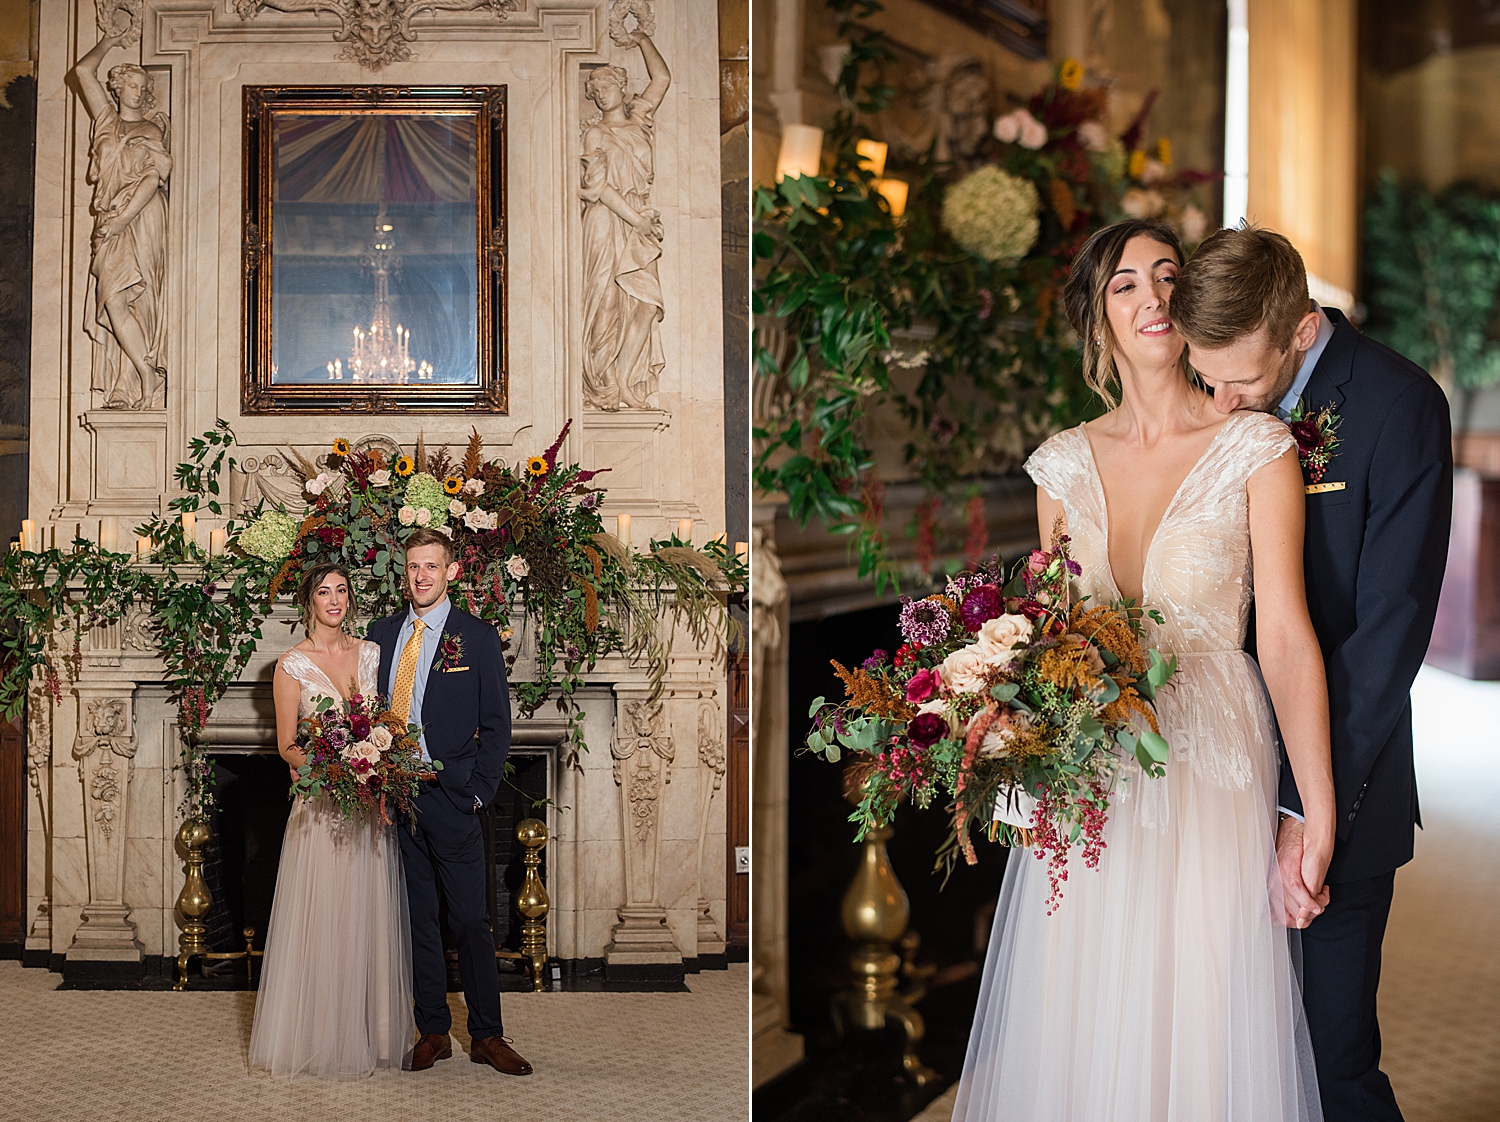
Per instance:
{"type": "Point", "coordinates": [258, 394]}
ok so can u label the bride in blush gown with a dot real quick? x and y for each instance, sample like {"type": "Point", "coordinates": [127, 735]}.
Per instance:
{"type": "Point", "coordinates": [335, 996]}
{"type": "Point", "coordinates": [1164, 989]}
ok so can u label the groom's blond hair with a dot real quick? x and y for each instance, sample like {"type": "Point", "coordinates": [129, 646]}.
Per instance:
{"type": "Point", "coordinates": [1237, 281]}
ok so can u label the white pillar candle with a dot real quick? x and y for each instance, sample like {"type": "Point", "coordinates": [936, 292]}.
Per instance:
{"type": "Point", "coordinates": [685, 530]}
{"type": "Point", "coordinates": [216, 540]}
{"type": "Point", "coordinates": [622, 529]}
{"type": "Point", "coordinates": [872, 157]}
{"type": "Point", "coordinates": [894, 192]}
{"type": "Point", "coordinates": [28, 535]}
{"type": "Point", "coordinates": [741, 551]}
{"type": "Point", "coordinates": [142, 548]}
{"type": "Point", "coordinates": [801, 151]}
{"type": "Point", "coordinates": [109, 534]}
{"type": "Point", "coordinates": [189, 530]}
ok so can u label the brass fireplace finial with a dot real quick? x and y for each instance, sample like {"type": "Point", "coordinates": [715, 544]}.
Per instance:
{"type": "Point", "coordinates": [875, 913]}
{"type": "Point", "coordinates": [194, 900]}
{"type": "Point", "coordinates": [533, 902]}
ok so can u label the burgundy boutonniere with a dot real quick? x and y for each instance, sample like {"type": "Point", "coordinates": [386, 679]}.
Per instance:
{"type": "Point", "coordinates": [450, 652]}
{"type": "Point", "coordinates": [1317, 440]}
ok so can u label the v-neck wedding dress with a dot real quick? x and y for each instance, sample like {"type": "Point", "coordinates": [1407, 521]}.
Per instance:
{"type": "Point", "coordinates": [1163, 989]}
{"type": "Point", "coordinates": [335, 994]}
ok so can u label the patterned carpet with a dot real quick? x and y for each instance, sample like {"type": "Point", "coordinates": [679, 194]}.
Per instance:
{"type": "Point", "coordinates": [162, 1057]}
{"type": "Point", "coordinates": [1440, 982]}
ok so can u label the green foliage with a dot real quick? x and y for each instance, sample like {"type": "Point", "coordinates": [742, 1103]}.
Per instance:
{"type": "Point", "coordinates": [531, 546]}
{"type": "Point", "coordinates": [1432, 279]}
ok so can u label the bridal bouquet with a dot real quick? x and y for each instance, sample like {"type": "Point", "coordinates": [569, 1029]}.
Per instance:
{"type": "Point", "coordinates": [1010, 699]}
{"type": "Point", "coordinates": [366, 759]}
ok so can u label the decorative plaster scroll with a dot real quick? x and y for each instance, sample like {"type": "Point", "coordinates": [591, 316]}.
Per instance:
{"type": "Point", "coordinates": [711, 754]}
{"type": "Point", "coordinates": [710, 744]}
{"type": "Point", "coordinates": [39, 740]}
{"type": "Point", "coordinates": [135, 631]}
{"type": "Point", "coordinates": [268, 477]}
{"type": "Point", "coordinates": [622, 232]}
{"type": "Point", "coordinates": [375, 32]}
{"type": "Point", "coordinates": [129, 162]}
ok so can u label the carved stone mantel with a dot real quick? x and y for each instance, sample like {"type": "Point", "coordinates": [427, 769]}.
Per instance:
{"type": "Point", "coordinates": [105, 749]}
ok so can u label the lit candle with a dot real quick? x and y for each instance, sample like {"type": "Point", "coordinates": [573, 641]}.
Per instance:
{"type": "Point", "coordinates": [801, 151]}
{"type": "Point", "coordinates": [741, 551]}
{"type": "Point", "coordinates": [109, 534]}
{"type": "Point", "coordinates": [872, 157]}
{"type": "Point", "coordinates": [894, 192]}
{"type": "Point", "coordinates": [685, 530]}
{"type": "Point", "coordinates": [28, 535]}
{"type": "Point", "coordinates": [622, 530]}
{"type": "Point", "coordinates": [142, 548]}
{"type": "Point", "coordinates": [189, 530]}
{"type": "Point", "coordinates": [720, 538]}
{"type": "Point", "coordinates": [216, 542]}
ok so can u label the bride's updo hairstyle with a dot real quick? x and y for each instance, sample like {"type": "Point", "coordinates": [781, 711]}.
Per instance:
{"type": "Point", "coordinates": [311, 581]}
{"type": "Point", "coordinates": [1085, 294]}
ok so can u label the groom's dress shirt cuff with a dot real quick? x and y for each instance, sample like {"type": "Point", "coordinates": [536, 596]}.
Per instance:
{"type": "Point", "coordinates": [1309, 363]}
{"type": "Point", "coordinates": [1291, 814]}
{"type": "Point", "coordinates": [433, 621]}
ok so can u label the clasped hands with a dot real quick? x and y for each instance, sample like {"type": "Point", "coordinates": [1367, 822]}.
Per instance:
{"type": "Point", "coordinates": [1304, 894]}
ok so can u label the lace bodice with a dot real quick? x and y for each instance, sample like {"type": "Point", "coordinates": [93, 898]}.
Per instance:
{"type": "Point", "coordinates": [1197, 570]}
{"type": "Point", "coordinates": [316, 684]}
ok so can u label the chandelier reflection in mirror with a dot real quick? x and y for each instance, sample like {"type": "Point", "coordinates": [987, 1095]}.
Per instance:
{"type": "Point", "coordinates": [381, 355]}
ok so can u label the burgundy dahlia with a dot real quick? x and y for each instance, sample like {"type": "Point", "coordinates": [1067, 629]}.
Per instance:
{"type": "Point", "coordinates": [926, 729]}
{"type": "Point", "coordinates": [925, 622]}
{"type": "Point", "coordinates": [1306, 434]}
{"type": "Point", "coordinates": [359, 724]}
{"type": "Point", "coordinates": [983, 603]}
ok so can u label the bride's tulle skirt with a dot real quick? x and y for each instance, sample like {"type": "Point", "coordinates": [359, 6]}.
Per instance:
{"type": "Point", "coordinates": [1163, 989]}
{"type": "Point", "coordinates": [335, 994]}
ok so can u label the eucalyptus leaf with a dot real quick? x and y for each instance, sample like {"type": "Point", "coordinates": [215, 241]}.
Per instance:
{"type": "Point", "coordinates": [1005, 692]}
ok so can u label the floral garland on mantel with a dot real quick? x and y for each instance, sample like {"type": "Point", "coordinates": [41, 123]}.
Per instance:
{"type": "Point", "coordinates": [529, 540]}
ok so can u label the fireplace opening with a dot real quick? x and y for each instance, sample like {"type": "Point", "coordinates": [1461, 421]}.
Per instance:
{"type": "Point", "coordinates": [249, 821]}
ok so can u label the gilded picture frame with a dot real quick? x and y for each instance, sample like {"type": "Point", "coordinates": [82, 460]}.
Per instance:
{"type": "Point", "coordinates": [374, 250]}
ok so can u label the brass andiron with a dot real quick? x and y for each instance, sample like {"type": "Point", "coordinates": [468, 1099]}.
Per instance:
{"type": "Point", "coordinates": [533, 903]}
{"type": "Point", "coordinates": [875, 912]}
{"type": "Point", "coordinates": [194, 900]}
{"type": "Point", "coordinates": [249, 954]}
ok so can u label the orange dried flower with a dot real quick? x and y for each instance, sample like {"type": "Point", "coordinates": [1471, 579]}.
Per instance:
{"type": "Point", "coordinates": [867, 693]}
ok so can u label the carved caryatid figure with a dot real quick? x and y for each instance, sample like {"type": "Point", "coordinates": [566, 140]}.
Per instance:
{"type": "Point", "coordinates": [129, 162]}
{"type": "Point", "coordinates": [622, 235]}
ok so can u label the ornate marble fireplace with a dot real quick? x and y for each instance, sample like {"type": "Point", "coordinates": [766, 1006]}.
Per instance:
{"type": "Point", "coordinates": [635, 864]}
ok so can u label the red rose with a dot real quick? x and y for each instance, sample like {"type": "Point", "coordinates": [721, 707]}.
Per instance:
{"type": "Point", "coordinates": [360, 724]}
{"type": "Point", "coordinates": [926, 729]}
{"type": "Point", "coordinates": [923, 684]}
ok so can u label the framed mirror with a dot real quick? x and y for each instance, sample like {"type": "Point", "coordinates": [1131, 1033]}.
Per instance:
{"type": "Point", "coordinates": [374, 249]}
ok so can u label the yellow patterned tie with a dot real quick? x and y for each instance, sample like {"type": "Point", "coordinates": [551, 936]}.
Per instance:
{"type": "Point", "coordinates": [406, 673]}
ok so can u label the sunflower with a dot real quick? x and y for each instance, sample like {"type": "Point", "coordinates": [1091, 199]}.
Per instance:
{"type": "Point", "coordinates": [537, 466]}
{"type": "Point", "coordinates": [453, 484]}
{"type": "Point", "coordinates": [341, 447]}
{"type": "Point", "coordinates": [1070, 74]}
{"type": "Point", "coordinates": [1164, 151]}
{"type": "Point", "coordinates": [1137, 164]}
{"type": "Point", "coordinates": [404, 466]}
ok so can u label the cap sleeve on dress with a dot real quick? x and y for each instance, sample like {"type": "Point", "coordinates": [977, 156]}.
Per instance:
{"type": "Point", "coordinates": [1263, 438]}
{"type": "Point", "coordinates": [1053, 465]}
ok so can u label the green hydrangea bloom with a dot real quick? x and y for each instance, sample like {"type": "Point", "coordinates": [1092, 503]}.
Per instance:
{"type": "Point", "coordinates": [270, 537]}
{"type": "Point", "coordinates": [425, 491]}
{"type": "Point", "coordinates": [993, 214]}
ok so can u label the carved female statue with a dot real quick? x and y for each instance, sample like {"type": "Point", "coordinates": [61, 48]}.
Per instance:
{"type": "Point", "coordinates": [622, 236]}
{"type": "Point", "coordinates": [129, 162]}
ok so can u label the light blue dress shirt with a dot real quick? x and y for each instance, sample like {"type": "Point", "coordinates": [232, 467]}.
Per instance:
{"type": "Point", "coordinates": [434, 620]}
{"type": "Point", "coordinates": [1309, 362]}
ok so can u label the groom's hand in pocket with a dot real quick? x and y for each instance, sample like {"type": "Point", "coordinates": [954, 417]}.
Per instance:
{"type": "Point", "coordinates": [1300, 906]}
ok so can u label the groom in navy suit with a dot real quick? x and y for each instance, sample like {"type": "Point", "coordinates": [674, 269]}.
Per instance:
{"type": "Point", "coordinates": [445, 670]}
{"type": "Point", "coordinates": [1375, 549]}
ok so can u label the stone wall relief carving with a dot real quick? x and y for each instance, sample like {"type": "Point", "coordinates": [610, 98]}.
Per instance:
{"type": "Point", "coordinates": [130, 161]}
{"type": "Point", "coordinates": [643, 758]}
{"type": "Point", "coordinates": [375, 32]}
{"type": "Point", "coordinates": [622, 232]}
{"type": "Point", "coordinates": [712, 753]}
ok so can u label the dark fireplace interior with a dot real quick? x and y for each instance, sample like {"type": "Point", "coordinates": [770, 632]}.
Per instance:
{"type": "Point", "coordinates": [248, 823]}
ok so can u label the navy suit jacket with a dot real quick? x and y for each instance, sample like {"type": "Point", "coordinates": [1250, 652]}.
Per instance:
{"type": "Point", "coordinates": [1375, 554]}
{"type": "Point", "coordinates": [465, 709]}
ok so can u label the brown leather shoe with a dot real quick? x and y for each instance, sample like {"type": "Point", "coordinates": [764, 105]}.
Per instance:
{"type": "Point", "coordinates": [433, 1046]}
{"type": "Point", "coordinates": [497, 1052]}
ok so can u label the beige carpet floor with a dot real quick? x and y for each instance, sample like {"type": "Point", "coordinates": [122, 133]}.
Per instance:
{"type": "Point", "coordinates": [1440, 981]}
{"type": "Point", "coordinates": [80, 1056]}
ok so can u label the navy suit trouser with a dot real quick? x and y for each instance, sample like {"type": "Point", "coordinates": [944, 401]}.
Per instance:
{"type": "Point", "coordinates": [446, 855]}
{"type": "Point", "coordinates": [1341, 970]}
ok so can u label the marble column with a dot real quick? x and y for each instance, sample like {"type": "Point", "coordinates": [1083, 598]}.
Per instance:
{"type": "Point", "coordinates": [105, 751]}
{"type": "Point", "coordinates": [642, 752]}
